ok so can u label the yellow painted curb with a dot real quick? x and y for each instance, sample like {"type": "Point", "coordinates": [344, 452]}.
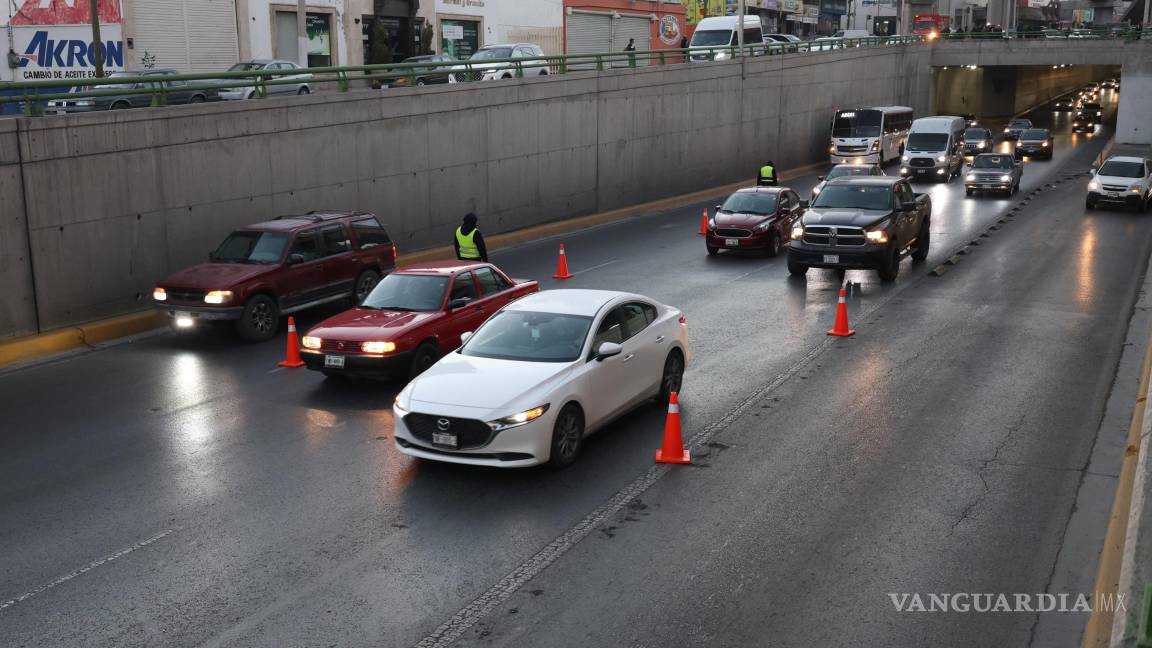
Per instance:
{"type": "Point", "coordinates": [75, 337]}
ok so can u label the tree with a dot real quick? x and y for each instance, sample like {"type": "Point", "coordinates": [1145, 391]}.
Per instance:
{"type": "Point", "coordinates": [426, 35]}
{"type": "Point", "coordinates": [380, 47]}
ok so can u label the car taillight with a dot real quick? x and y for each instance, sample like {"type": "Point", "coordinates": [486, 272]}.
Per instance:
{"type": "Point", "coordinates": [395, 252]}
{"type": "Point", "coordinates": [683, 320]}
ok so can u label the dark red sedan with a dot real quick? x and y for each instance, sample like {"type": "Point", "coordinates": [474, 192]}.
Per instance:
{"type": "Point", "coordinates": [756, 218]}
{"type": "Point", "coordinates": [410, 319]}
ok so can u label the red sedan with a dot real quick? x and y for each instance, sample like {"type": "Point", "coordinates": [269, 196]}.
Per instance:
{"type": "Point", "coordinates": [756, 218]}
{"type": "Point", "coordinates": [410, 319]}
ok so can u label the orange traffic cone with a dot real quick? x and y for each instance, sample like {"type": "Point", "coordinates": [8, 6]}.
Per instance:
{"type": "Point", "coordinates": [673, 451]}
{"type": "Point", "coordinates": [704, 223]}
{"type": "Point", "coordinates": [293, 356]}
{"type": "Point", "coordinates": [562, 266]}
{"type": "Point", "coordinates": [840, 329]}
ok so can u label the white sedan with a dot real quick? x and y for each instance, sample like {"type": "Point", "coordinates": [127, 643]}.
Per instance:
{"type": "Point", "coordinates": [539, 376]}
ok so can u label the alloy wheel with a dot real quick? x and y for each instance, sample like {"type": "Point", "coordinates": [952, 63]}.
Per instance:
{"type": "Point", "coordinates": [568, 434]}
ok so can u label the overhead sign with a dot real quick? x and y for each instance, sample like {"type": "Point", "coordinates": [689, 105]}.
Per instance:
{"type": "Point", "coordinates": [53, 39]}
{"type": "Point", "coordinates": [791, 6]}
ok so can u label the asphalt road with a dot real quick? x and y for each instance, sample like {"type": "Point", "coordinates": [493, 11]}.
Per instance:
{"type": "Point", "coordinates": [181, 490]}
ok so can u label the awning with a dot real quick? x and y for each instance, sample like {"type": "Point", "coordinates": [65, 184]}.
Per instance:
{"type": "Point", "coordinates": [1031, 14]}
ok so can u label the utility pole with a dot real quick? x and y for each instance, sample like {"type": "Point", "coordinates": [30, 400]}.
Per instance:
{"type": "Point", "coordinates": [740, 9]}
{"type": "Point", "coordinates": [97, 43]}
{"type": "Point", "coordinates": [302, 33]}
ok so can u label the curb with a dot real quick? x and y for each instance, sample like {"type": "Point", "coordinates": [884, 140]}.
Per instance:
{"type": "Point", "coordinates": [25, 349]}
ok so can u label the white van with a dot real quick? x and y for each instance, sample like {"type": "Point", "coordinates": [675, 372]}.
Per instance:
{"type": "Point", "coordinates": [721, 31]}
{"type": "Point", "coordinates": [935, 148]}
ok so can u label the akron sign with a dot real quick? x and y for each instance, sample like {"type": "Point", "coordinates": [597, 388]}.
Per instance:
{"type": "Point", "coordinates": [53, 39]}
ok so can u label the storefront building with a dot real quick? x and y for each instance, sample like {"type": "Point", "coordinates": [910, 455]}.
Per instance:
{"type": "Point", "coordinates": [771, 18]}
{"type": "Point", "coordinates": [592, 26]}
{"type": "Point", "coordinates": [830, 16]}
{"type": "Point", "coordinates": [463, 26]}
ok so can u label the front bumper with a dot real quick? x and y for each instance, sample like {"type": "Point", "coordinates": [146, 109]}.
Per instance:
{"type": "Point", "coordinates": [867, 257]}
{"type": "Point", "coordinates": [923, 173]}
{"type": "Point", "coordinates": [526, 445]}
{"type": "Point", "coordinates": [760, 241]}
{"type": "Point", "coordinates": [1030, 151]}
{"type": "Point", "coordinates": [855, 158]}
{"type": "Point", "coordinates": [1126, 198]}
{"type": "Point", "coordinates": [393, 365]}
{"type": "Point", "coordinates": [206, 313]}
{"type": "Point", "coordinates": [988, 185]}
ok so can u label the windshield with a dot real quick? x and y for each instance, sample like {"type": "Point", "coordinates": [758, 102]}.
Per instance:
{"type": "Point", "coordinates": [927, 141]}
{"type": "Point", "coordinates": [1034, 134]}
{"type": "Point", "coordinates": [1123, 169]}
{"type": "Point", "coordinates": [857, 123]}
{"type": "Point", "coordinates": [1019, 123]}
{"type": "Point", "coordinates": [976, 135]}
{"type": "Point", "coordinates": [492, 53]}
{"type": "Point", "coordinates": [530, 337]}
{"type": "Point", "coordinates": [992, 162]}
{"type": "Point", "coordinates": [246, 67]}
{"type": "Point", "coordinates": [761, 204]}
{"type": "Point", "coordinates": [711, 38]}
{"type": "Point", "coordinates": [251, 247]}
{"type": "Point", "coordinates": [841, 170]}
{"type": "Point", "coordinates": [404, 292]}
{"type": "Point", "coordinates": [855, 197]}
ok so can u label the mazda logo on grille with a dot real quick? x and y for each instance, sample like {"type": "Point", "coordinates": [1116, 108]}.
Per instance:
{"type": "Point", "coordinates": [443, 424]}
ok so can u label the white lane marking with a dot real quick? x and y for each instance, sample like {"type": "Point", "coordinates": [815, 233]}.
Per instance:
{"type": "Point", "coordinates": [749, 274]}
{"type": "Point", "coordinates": [86, 568]}
{"type": "Point", "coordinates": [277, 369]}
{"type": "Point", "coordinates": [595, 267]}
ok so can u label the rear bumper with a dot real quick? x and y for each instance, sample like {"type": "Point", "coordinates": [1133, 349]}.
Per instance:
{"type": "Point", "coordinates": [924, 173]}
{"type": "Point", "coordinates": [202, 312]}
{"type": "Point", "coordinates": [1034, 152]}
{"type": "Point", "coordinates": [393, 365]}
{"type": "Point", "coordinates": [868, 258]}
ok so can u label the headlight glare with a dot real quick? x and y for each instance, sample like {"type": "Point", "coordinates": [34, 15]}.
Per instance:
{"type": "Point", "coordinates": [941, 158]}
{"type": "Point", "coordinates": [797, 232]}
{"type": "Point", "coordinates": [218, 297]}
{"type": "Point", "coordinates": [378, 347]}
{"type": "Point", "coordinates": [160, 294]}
{"type": "Point", "coordinates": [1094, 185]}
{"type": "Point", "coordinates": [877, 236]}
{"type": "Point", "coordinates": [518, 419]}
{"type": "Point", "coordinates": [971, 177]}
{"type": "Point", "coordinates": [311, 342]}
{"type": "Point", "coordinates": [1005, 178]}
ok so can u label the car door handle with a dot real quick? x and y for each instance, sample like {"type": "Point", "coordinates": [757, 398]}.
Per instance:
{"type": "Point", "coordinates": [627, 357]}
{"type": "Point", "coordinates": [480, 308]}
{"type": "Point", "coordinates": [659, 339]}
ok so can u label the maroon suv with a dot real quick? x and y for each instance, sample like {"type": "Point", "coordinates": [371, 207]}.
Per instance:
{"type": "Point", "coordinates": [756, 218]}
{"type": "Point", "coordinates": [263, 271]}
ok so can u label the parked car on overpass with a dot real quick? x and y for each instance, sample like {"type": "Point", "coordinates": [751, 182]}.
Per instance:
{"type": "Point", "coordinates": [422, 76]}
{"type": "Point", "coordinates": [530, 58]}
{"type": "Point", "coordinates": [174, 92]}
{"type": "Point", "coordinates": [246, 89]}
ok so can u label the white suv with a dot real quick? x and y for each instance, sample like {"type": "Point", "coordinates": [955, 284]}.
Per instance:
{"type": "Point", "coordinates": [530, 57]}
{"type": "Point", "coordinates": [1121, 180]}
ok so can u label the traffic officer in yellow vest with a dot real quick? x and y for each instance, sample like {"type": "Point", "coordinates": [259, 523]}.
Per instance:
{"type": "Point", "coordinates": [767, 175]}
{"type": "Point", "coordinates": [469, 241]}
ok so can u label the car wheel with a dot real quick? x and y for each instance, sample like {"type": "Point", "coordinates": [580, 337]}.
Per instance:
{"type": "Point", "coordinates": [890, 268]}
{"type": "Point", "coordinates": [774, 246]}
{"type": "Point", "coordinates": [260, 320]}
{"type": "Point", "coordinates": [197, 99]}
{"type": "Point", "coordinates": [968, 193]}
{"type": "Point", "coordinates": [923, 242]}
{"type": "Point", "coordinates": [421, 82]}
{"type": "Point", "coordinates": [673, 376]}
{"type": "Point", "coordinates": [506, 76]}
{"type": "Point", "coordinates": [796, 269]}
{"type": "Point", "coordinates": [120, 105]}
{"type": "Point", "coordinates": [423, 358]}
{"type": "Point", "coordinates": [712, 251]}
{"type": "Point", "coordinates": [303, 91]}
{"type": "Point", "coordinates": [567, 436]}
{"type": "Point", "coordinates": [365, 282]}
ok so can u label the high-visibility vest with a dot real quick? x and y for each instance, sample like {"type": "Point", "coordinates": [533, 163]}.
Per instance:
{"type": "Point", "coordinates": [467, 243]}
{"type": "Point", "coordinates": [767, 171]}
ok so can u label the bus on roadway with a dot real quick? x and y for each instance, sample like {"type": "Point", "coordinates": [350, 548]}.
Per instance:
{"type": "Point", "coordinates": [869, 135]}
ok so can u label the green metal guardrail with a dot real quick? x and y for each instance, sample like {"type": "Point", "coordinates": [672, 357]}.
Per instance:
{"type": "Point", "coordinates": [32, 94]}
{"type": "Point", "coordinates": [1050, 34]}
{"type": "Point", "coordinates": [1144, 638]}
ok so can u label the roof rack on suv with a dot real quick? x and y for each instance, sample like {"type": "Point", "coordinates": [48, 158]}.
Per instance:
{"type": "Point", "coordinates": [320, 216]}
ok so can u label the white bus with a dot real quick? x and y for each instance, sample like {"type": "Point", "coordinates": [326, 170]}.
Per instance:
{"type": "Point", "coordinates": [869, 135]}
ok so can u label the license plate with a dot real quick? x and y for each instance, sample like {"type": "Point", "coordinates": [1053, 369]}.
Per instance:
{"type": "Point", "coordinates": [831, 258]}
{"type": "Point", "coordinates": [732, 242]}
{"type": "Point", "coordinates": [444, 439]}
{"type": "Point", "coordinates": [334, 361]}
{"type": "Point", "coordinates": [182, 315]}
{"type": "Point", "coordinates": [1111, 194]}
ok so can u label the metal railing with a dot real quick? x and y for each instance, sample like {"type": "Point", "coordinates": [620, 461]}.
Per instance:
{"type": "Point", "coordinates": [33, 94]}
{"type": "Point", "coordinates": [1048, 34]}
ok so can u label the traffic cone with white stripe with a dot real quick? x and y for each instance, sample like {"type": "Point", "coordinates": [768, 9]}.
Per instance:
{"type": "Point", "coordinates": [562, 266]}
{"type": "Point", "coordinates": [292, 360]}
{"type": "Point", "coordinates": [673, 451]}
{"type": "Point", "coordinates": [704, 223]}
{"type": "Point", "coordinates": [840, 328]}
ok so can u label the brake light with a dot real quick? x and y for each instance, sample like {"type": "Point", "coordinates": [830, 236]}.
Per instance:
{"type": "Point", "coordinates": [683, 321]}
{"type": "Point", "coordinates": [395, 252]}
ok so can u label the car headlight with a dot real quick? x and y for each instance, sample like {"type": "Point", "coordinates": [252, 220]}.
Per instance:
{"type": "Point", "coordinates": [1044, 144]}
{"type": "Point", "coordinates": [797, 233]}
{"type": "Point", "coordinates": [1136, 189]}
{"type": "Point", "coordinates": [403, 400]}
{"type": "Point", "coordinates": [722, 56]}
{"type": "Point", "coordinates": [762, 227]}
{"type": "Point", "coordinates": [378, 347]}
{"type": "Point", "coordinates": [711, 223]}
{"type": "Point", "coordinates": [218, 297]}
{"type": "Point", "coordinates": [903, 170]}
{"type": "Point", "coordinates": [1007, 130]}
{"type": "Point", "coordinates": [982, 144]}
{"type": "Point", "coordinates": [518, 419]}
{"type": "Point", "coordinates": [160, 294]}
{"type": "Point", "coordinates": [941, 158]}
{"type": "Point", "coordinates": [875, 145]}
{"type": "Point", "coordinates": [904, 158]}
{"type": "Point", "coordinates": [1005, 178]}
{"type": "Point", "coordinates": [831, 148]}
{"type": "Point", "coordinates": [311, 342]}
{"type": "Point", "coordinates": [877, 236]}
{"type": "Point", "coordinates": [971, 177]}
{"type": "Point", "coordinates": [1094, 185]}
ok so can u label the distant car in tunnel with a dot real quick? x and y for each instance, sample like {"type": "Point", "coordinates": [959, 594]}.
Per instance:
{"type": "Point", "coordinates": [844, 170]}
{"type": "Point", "coordinates": [1083, 123]}
{"type": "Point", "coordinates": [1065, 104]}
{"type": "Point", "coordinates": [999, 172]}
{"type": "Point", "coordinates": [978, 140]}
{"type": "Point", "coordinates": [754, 219]}
{"type": "Point", "coordinates": [1015, 127]}
{"type": "Point", "coordinates": [410, 319]}
{"type": "Point", "coordinates": [1035, 143]}
{"type": "Point", "coordinates": [1093, 109]}
{"type": "Point", "coordinates": [539, 376]}
{"type": "Point", "coordinates": [1110, 84]}
{"type": "Point", "coordinates": [1121, 180]}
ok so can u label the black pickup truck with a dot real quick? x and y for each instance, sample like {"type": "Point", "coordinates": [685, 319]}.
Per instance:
{"type": "Point", "coordinates": [862, 223]}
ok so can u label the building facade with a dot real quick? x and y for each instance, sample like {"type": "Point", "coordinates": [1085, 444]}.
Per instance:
{"type": "Point", "coordinates": [460, 27]}
{"type": "Point", "coordinates": [592, 26]}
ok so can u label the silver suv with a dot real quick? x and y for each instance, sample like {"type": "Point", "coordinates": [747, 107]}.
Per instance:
{"type": "Point", "coordinates": [530, 58]}
{"type": "Point", "coordinates": [246, 90]}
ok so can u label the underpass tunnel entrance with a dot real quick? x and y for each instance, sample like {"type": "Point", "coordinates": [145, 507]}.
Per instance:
{"type": "Point", "coordinates": [1007, 90]}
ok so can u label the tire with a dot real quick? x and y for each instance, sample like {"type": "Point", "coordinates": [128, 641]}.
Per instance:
{"type": "Point", "coordinates": [712, 251]}
{"type": "Point", "coordinates": [197, 99]}
{"type": "Point", "coordinates": [260, 321]}
{"type": "Point", "coordinates": [1089, 203]}
{"type": "Point", "coordinates": [543, 72]}
{"type": "Point", "coordinates": [923, 242]}
{"type": "Point", "coordinates": [303, 91]}
{"type": "Point", "coordinates": [890, 268]}
{"type": "Point", "coordinates": [672, 377]}
{"type": "Point", "coordinates": [968, 193]}
{"type": "Point", "coordinates": [365, 282]}
{"type": "Point", "coordinates": [424, 357]}
{"type": "Point", "coordinates": [774, 245]}
{"type": "Point", "coordinates": [567, 436]}
{"type": "Point", "coordinates": [421, 83]}
{"type": "Point", "coordinates": [120, 105]}
{"type": "Point", "coordinates": [796, 269]}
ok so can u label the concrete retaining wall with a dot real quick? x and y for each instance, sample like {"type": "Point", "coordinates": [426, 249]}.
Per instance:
{"type": "Point", "coordinates": [17, 305]}
{"type": "Point", "coordinates": [118, 200]}
{"type": "Point", "coordinates": [1004, 91]}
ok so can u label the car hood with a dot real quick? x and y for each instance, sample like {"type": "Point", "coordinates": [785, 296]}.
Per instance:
{"type": "Point", "coordinates": [738, 219]}
{"type": "Point", "coordinates": [365, 324]}
{"type": "Point", "coordinates": [1116, 181]}
{"type": "Point", "coordinates": [486, 383]}
{"type": "Point", "coordinates": [216, 276]}
{"type": "Point", "coordinates": [846, 217]}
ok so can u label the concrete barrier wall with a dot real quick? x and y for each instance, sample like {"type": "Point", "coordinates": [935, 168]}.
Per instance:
{"type": "Point", "coordinates": [1004, 91]}
{"type": "Point", "coordinates": [17, 306]}
{"type": "Point", "coordinates": [118, 200]}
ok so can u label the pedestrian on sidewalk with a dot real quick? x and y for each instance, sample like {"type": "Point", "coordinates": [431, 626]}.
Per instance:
{"type": "Point", "coordinates": [469, 241]}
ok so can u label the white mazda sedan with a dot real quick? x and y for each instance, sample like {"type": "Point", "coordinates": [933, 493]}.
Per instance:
{"type": "Point", "coordinates": [540, 375]}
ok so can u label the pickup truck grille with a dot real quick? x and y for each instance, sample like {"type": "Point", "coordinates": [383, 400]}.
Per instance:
{"type": "Point", "coordinates": [834, 236]}
{"type": "Point", "coordinates": [733, 233]}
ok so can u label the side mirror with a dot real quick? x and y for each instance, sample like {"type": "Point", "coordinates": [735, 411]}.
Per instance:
{"type": "Point", "coordinates": [820, 178]}
{"type": "Point", "coordinates": [803, 204]}
{"type": "Point", "coordinates": [607, 350]}
{"type": "Point", "coordinates": [908, 206]}
{"type": "Point", "coordinates": [717, 207]}
{"type": "Point", "coordinates": [459, 302]}
{"type": "Point", "coordinates": [296, 258]}
{"type": "Point", "coordinates": [1092, 171]}
{"type": "Point", "coordinates": [464, 337]}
